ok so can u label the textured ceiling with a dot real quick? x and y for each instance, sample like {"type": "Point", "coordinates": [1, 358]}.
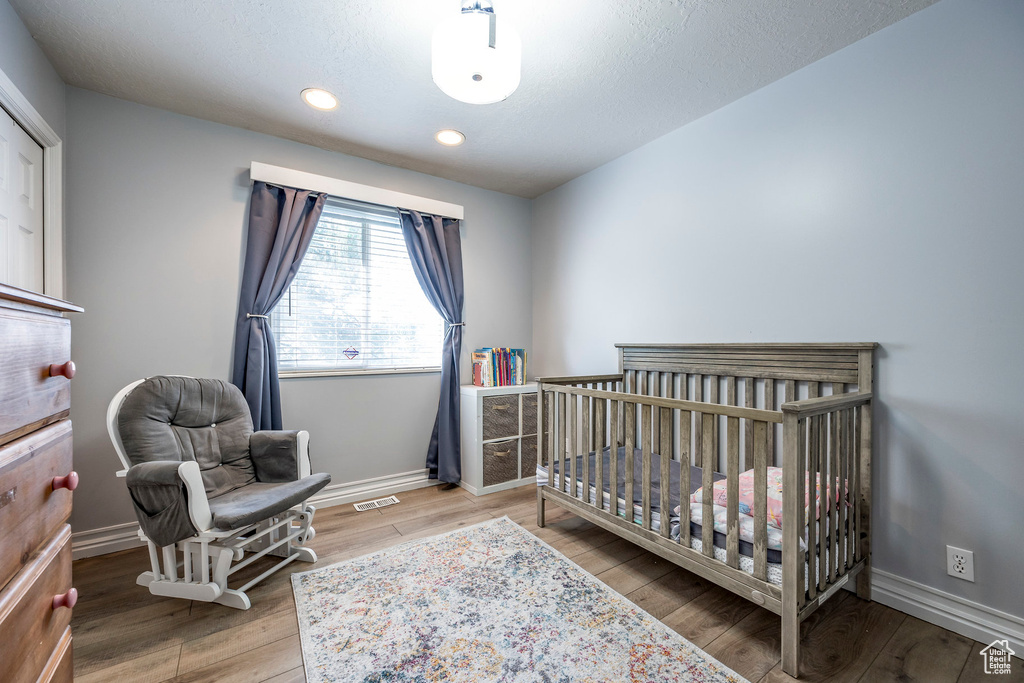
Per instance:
{"type": "Point", "coordinates": [600, 77]}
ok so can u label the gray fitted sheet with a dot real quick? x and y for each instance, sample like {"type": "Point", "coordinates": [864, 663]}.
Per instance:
{"type": "Point", "coordinates": [696, 480]}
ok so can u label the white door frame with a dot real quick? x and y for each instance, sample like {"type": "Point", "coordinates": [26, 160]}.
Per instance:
{"type": "Point", "coordinates": [18, 106]}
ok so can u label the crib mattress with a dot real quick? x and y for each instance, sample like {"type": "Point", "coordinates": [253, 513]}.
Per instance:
{"type": "Point", "coordinates": [696, 478]}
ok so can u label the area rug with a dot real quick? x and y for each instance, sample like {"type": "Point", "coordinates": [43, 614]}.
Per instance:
{"type": "Point", "coordinates": [490, 602]}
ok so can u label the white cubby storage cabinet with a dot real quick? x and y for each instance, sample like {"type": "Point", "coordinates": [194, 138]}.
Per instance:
{"type": "Point", "coordinates": [499, 437]}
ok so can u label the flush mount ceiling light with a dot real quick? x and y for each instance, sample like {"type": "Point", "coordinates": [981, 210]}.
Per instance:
{"type": "Point", "coordinates": [449, 137]}
{"type": "Point", "coordinates": [319, 99]}
{"type": "Point", "coordinates": [474, 58]}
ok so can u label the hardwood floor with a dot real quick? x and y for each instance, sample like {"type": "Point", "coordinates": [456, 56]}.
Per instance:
{"type": "Point", "coordinates": [122, 633]}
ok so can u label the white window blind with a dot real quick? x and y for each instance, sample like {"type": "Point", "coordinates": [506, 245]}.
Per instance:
{"type": "Point", "coordinates": [355, 304]}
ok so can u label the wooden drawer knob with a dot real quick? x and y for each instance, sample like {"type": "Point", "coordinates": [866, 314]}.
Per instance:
{"type": "Point", "coordinates": [69, 599]}
{"type": "Point", "coordinates": [69, 482]}
{"type": "Point", "coordinates": [63, 369]}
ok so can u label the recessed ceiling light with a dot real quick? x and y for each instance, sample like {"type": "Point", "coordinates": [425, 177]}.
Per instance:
{"type": "Point", "coordinates": [319, 99]}
{"type": "Point", "coordinates": [450, 138]}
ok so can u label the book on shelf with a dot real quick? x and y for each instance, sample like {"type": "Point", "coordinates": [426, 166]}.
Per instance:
{"type": "Point", "coordinates": [499, 367]}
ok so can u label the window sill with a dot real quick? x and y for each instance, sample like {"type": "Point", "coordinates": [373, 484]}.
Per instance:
{"type": "Point", "coordinates": [301, 374]}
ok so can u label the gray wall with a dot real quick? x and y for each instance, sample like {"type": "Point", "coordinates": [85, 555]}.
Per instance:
{"type": "Point", "coordinates": [876, 195]}
{"type": "Point", "coordinates": [25, 64]}
{"type": "Point", "coordinates": [156, 207]}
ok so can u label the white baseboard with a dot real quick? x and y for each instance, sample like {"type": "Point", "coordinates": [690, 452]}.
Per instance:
{"type": "Point", "coordinates": [378, 487]}
{"type": "Point", "coordinates": [961, 616]}
{"type": "Point", "coordinates": [108, 539]}
{"type": "Point", "coordinates": [494, 488]}
{"type": "Point", "coordinates": [124, 536]}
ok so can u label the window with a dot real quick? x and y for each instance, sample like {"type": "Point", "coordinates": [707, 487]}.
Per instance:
{"type": "Point", "coordinates": [355, 304]}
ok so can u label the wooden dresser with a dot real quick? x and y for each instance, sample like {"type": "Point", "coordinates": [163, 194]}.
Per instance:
{"type": "Point", "coordinates": [36, 481]}
{"type": "Point", "coordinates": [499, 437]}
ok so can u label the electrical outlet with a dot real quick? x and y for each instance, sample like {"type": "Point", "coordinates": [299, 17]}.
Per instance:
{"type": "Point", "coordinates": [960, 563]}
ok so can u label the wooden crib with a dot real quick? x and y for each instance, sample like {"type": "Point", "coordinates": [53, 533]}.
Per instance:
{"type": "Point", "coordinates": [726, 408]}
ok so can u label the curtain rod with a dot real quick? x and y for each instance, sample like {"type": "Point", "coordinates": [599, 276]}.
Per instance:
{"type": "Point", "coordinates": [277, 175]}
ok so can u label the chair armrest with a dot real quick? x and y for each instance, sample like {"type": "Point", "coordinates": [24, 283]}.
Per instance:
{"type": "Point", "coordinates": [170, 500]}
{"type": "Point", "coordinates": [280, 456]}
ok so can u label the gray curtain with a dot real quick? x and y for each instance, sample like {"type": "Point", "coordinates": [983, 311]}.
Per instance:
{"type": "Point", "coordinates": [435, 249]}
{"type": "Point", "coordinates": [281, 225]}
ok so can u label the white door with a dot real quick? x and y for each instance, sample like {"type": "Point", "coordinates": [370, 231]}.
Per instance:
{"type": "Point", "coordinates": [21, 207]}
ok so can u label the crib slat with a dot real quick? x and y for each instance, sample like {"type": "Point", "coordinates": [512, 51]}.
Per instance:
{"type": "Point", "coordinates": [668, 432]}
{"type": "Point", "coordinates": [707, 510]}
{"type": "Point", "coordinates": [791, 390]}
{"type": "Point", "coordinates": [560, 443]}
{"type": "Point", "coordinates": [654, 389]}
{"type": "Point", "coordinates": [642, 379]}
{"type": "Point", "coordinates": [549, 424]}
{"type": "Point", "coordinates": [761, 500]}
{"type": "Point", "coordinates": [850, 449]}
{"type": "Point", "coordinates": [665, 458]}
{"type": "Point", "coordinates": [823, 539]}
{"type": "Point", "coordinates": [769, 404]}
{"type": "Point", "coordinates": [827, 495]}
{"type": "Point", "coordinates": [629, 408]}
{"type": "Point", "coordinates": [685, 416]}
{"type": "Point", "coordinates": [645, 450]}
{"type": "Point", "coordinates": [613, 458]}
{"type": "Point", "coordinates": [599, 432]}
{"type": "Point", "coordinates": [813, 451]}
{"type": "Point", "coordinates": [748, 425]}
{"type": "Point", "coordinates": [732, 546]}
{"type": "Point", "coordinates": [799, 480]}
{"type": "Point", "coordinates": [686, 454]}
{"type": "Point", "coordinates": [682, 454]}
{"type": "Point", "coordinates": [585, 448]}
{"type": "Point", "coordinates": [839, 388]}
{"type": "Point", "coordinates": [698, 423]}
{"type": "Point", "coordinates": [812, 527]}
{"type": "Point", "coordinates": [858, 505]}
{"type": "Point", "coordinates": [713, 397]}
{"type": "Point", "coordinates": [573, 446]}
{"type": "Point", "coordinates": [837, 498]}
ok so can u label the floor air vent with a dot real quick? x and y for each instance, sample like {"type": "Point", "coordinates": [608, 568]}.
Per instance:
{"type": "Point", "coordinates": [374, 504]}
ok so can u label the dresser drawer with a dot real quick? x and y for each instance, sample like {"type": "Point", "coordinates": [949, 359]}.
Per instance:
{"type": "Point", "coordinates": [29, 396]}
{"type": "Point", "coordinates": [501, 461]}
{"type": "Point", "coordinates": [529, 414]}
{"type": "Point", "coordinates": [59, 669]}
{"type": "Point", "coordinates": [500, 416]}
{"type": "Point", "coordinates": [529, 457]}
{"type": "Point", "coordinates": [30, 627]}
{"type": "Point", "coordinates": [30, 510]}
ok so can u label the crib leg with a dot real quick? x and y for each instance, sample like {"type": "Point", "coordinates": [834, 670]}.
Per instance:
{"type": "Point", "coordinates": [540, 508]}
{"type": "Point", "coordinates": [864, 582]}
{"type": "Point", "coordinates": [791, 643]}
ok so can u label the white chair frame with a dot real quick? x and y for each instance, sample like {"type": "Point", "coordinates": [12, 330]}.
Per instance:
{"type": "Point", "coordinates": [206, 558]}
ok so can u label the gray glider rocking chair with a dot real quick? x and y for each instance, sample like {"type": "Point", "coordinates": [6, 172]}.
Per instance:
{"type": "Point", "coordinates": [207, 486]}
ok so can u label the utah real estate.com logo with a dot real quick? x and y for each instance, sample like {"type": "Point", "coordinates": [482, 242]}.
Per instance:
{"type": "Point", "coordinates": [997, 657]}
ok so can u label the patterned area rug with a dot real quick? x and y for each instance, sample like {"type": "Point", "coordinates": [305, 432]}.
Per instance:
{"type": "Point", "coordinates": [490, 602]}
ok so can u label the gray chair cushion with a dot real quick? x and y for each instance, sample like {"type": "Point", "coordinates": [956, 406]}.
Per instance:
{"type": "Point", "coordinates": [258, 501]}
{"type": "Point", "coordinates": [185, 418]}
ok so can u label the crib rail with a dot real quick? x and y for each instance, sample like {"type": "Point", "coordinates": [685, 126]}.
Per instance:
{"type": "Point", "coordinates": [828, 441]}
{"type": "Point", "coordinates": [818, 437]}
{"type": "Point", "coordinates": [578, 422]}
